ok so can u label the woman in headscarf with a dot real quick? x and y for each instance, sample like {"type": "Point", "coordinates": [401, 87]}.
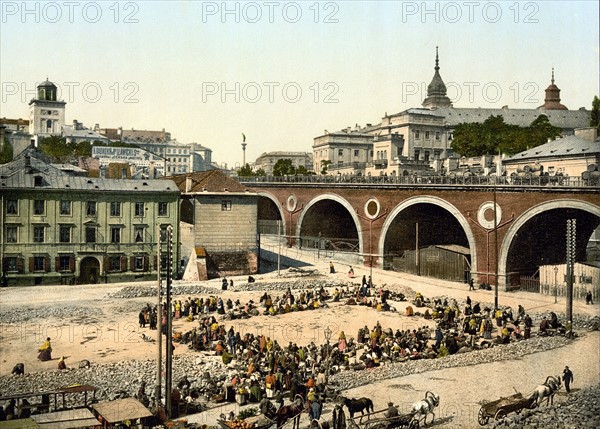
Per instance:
{"type": "Point", "coordinates": [61, 363]}
{"type": "Point", "coordinates": [45, 351]}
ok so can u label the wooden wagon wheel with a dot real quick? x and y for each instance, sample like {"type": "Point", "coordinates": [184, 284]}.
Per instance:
{"type": "Point", "coordinates": [414, 424]}
{"type": "Point", "coordinates": [500, 414]}
{"type": "Point", "coordinates": [483, 418]}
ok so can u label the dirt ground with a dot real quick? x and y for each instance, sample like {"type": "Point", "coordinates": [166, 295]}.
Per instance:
{"type": "Point", "coordinates": [108, 331]}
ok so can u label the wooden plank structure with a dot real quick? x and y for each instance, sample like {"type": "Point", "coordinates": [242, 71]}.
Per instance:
{"type": "Point", "coordinates": [111, 413]}
{"type": "Point", "coordinates": [69, 419]}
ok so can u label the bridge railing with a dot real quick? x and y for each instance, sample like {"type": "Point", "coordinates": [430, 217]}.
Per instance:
{"type": "Point", "coordinates": [450, 180]}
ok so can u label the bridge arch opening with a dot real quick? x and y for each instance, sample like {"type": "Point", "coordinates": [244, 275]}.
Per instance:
{"type": "Point", "coordinates": [268, 214]}
{"type": "Point", "coordinates": [539, 238]}
{"type": "Point", "coordinates": [445, 243]}
{"type": "Point", "coordinates": [329, 223]}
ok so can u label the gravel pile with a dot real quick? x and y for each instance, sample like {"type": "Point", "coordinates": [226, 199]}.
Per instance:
{"type": "Point", "coordinates": [282, 286]}
{"type": "Point", "coordinates": [351, 379]}
{"type": "Point", "coordinates": [24, 314]}
{"type": "Point", "coordinates": [150, 291]}
{"type": "Point", "coordinates": [580, 411]}
{"type": "Point", "coordinates": [113, 380]}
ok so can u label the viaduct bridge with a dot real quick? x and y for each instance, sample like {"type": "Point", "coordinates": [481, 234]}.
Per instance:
{"type": "Point", "coordinates": [501, 228]}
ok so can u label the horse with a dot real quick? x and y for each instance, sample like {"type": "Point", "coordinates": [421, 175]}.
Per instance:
{"type": "Point", "coordinates": [358, 405]}
{"type": "Point", "coordinates": [292, 411]}
{"type": "Point", "coordinates": [425, 407]}
{"type": "Point", "coordinates": [546, 391]}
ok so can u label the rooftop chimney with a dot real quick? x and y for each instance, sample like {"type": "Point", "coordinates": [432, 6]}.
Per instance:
{"type": "Point", "coordinates": [188, 183]}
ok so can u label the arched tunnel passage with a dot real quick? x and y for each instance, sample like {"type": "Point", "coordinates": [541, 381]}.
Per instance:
{"type": "Point", "coordinates": [328, 225]}
{"type": "Point", "coordinates": [443, 245]}
{"type": "Point", "coordinates": [268, 214]}
{"type": "Point", "coordinates": [542, 240]}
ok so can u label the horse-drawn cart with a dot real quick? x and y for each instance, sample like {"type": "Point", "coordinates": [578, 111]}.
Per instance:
{"type": "Point", "coordinates": [502, 407]}
{"type": "Point", "coordinates": [400, 421]}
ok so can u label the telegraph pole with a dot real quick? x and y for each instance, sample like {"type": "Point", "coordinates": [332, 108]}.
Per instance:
{"type": "Point", "coordinates": [157, 393]}
{"type": "Point", "coordinates": [169, 336]}
{"type": "Point", "coordinates": [571, 242]}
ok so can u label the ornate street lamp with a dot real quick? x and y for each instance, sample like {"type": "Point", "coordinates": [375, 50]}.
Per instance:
{"type": "Point", "coordinates": [327, 332]}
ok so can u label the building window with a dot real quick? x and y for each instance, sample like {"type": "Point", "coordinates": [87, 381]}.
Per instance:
{"type": "Point", "coordinates": [341, 152]}
{"type": "Point", "coordinates": [115, 208]}
{"type": "Point", "coordinates": [12, 207]}
{"type": "Point", "coordinates": [115, 263]}
{"type": "Point", "coordinates": [123, 173]}
{"type": "Point", "coordinates": [64, 234]}
{"type": "Point", "coordinates": [449, 136]}
{"type": "Point", "coordinates": [65, 208]}
{"type": "Point", "coordinates": [39, 207]}
{"type": "Point", "coordinates": [91, 208]}
{"type": "Point", "coordinates": [426, 156]}
{"type": "Point", "coordinates": [437, 135]}
{"type": "Point", "coordinates": [138, 263]}
{"type": "Point", "coordinates": [115, 234]}
{"type": "Point", "coordinates": [10, 263]}
{"type": "Point", "coordinates": [64, 263]}
{"type": "Point", "coordinates": [11, 234]}
{"type": "Point", "coordinates": [90, 234]}
{"type": "Point", "coordinates": [139, 209]}
{"type": "Point", "coordinates": [356, 152]}
{"type": "Point", "coordinates": [163, 209]}
{"type": "Point", "coordinates": [138, 234]}
{"type": "Point", "coordinates": [39, 263]}
{"type": "Point", "coordinates": [426, 135]}
{"type": "Point", "coordinates": [38, 234]}
{"type": "Point", "coordinates": [226, 205]}
{"type": "Point", "coordinates": [38, 181]}
{"type": "Point", "coordinates": [417, 153]}
{"type": "Point", "coordinates": [417, 134]}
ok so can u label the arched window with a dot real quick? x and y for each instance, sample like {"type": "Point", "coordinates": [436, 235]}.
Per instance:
{"type": "Point", "coordinates": [49, 125]}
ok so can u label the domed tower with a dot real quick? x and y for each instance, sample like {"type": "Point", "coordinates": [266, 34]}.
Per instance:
{"type": "Point", "coordinates": [436, 91]}
{"type": "Point", "coordinates": [552, 100]}
{"type": "Point", "coordinates": [46, 113]}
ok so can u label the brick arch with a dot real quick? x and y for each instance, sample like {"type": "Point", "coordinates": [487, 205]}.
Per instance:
{"type": "Point", "coordinates": [438, 202]}
{"type": "Point", "coordinates": [526, 216]}
{"type": "Point", "coordinates": [277, 204]}
{"type": "Point", "coordinates": [339, 200]}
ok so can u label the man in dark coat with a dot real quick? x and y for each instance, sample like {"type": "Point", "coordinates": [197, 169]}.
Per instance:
{"type": "Point", "coordinates": [567, 378]}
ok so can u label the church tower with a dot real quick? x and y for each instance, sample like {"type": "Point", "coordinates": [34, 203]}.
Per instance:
{"type": "Point", "coordinates": [46, 114]}
{"type": "Point", "coordinates": [436, 91]}
{"type": "Point", "coordinates": [552, 100]}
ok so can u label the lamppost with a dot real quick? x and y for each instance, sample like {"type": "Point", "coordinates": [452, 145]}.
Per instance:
{"type": "Point", "coordinates": [371, 220]}
{"type": "Point", "coordinates": [327, 332]}
{"type": "Point", "coordinates": [555, 284]}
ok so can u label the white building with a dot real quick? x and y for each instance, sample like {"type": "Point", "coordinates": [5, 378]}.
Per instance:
{"type": "Point", "coordinates": [46, 113]}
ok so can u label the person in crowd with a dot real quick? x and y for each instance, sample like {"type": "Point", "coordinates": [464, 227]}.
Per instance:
{"type": "Point", "coordinates": [45, 351]}
{"type": "Point", "coordinates": [588, 298]}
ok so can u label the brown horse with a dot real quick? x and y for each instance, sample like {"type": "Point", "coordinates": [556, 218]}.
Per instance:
{"type": "Point", "coordinates": [358, 405]}
{"type": "Point", "coordinates": [292, 411]}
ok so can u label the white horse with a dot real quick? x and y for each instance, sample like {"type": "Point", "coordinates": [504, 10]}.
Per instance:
{"type": "Point", "coordinates": [422, 409]}
{"type": "Point", "coordinates": [546, 391]}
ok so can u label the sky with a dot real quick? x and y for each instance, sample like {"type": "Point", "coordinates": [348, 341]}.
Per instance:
{"type": "Point", "coordinates": [283, 72]}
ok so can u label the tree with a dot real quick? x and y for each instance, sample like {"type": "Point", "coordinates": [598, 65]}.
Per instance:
{"type": "Point", "coordinates": [284, 167]}
{"type": "Point", "coordinates": [56, 148]}
{"type": "Point", "coordinates": [302, 171]}
{"type": "Point", "coordinates": [494, 135]}
{"type": "Point", "coordinates": [245, 171]}
{"type": "Point", "coordinates": [6, 152]}
{"type": "Point", "coordinates": [595, 116]}
{"type": "Point", "coordinates": [324, 164]}
{"type": "Point", "coordinates": [83, 148]}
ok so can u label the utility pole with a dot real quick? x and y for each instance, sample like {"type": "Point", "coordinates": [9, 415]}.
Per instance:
{"type": "Point", "coordinates": [495, 249]}
{"type": "Point", "coordinates": [157, 393]}
{"type": "Point", "coordinates": [279, 248]}
{"type": "Point", "coordinates": [417, 252]}
{"type": "Point", "coordinates": [571, 243]}
{"type": "Point", "coordinates": [169, 336]}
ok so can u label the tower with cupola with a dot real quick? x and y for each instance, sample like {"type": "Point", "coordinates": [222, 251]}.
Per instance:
{"type": "Point", "coordinates": [46, 113]}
